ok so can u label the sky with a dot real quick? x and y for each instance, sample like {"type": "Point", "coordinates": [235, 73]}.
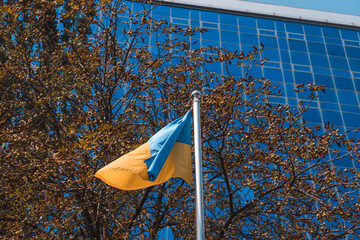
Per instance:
{"type": "Point", "coordinates": [339, 6]}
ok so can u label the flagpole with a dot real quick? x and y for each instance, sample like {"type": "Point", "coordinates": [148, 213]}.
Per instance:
{"type": "Point", "coordinates": [198, 167]}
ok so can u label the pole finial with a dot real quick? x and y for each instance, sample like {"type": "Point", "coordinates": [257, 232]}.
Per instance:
{"type": "Point", "coordinates": [196, 94]}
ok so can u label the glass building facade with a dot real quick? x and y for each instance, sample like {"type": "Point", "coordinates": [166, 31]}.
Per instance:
{"type": "Point", "coordinates": [298, 53]}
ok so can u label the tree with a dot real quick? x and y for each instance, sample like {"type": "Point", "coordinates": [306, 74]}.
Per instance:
{"type": "Point", "coordinates": [83, 82]}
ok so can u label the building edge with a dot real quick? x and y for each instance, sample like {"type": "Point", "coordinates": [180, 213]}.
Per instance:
{"type": "Point", "coordinates": [272, 11]}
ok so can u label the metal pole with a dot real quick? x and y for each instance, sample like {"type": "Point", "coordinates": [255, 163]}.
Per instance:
{"type": "Point", "coordinates": [198, 168]}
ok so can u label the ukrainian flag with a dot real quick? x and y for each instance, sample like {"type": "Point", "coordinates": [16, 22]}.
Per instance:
{"type": "Point", "coordinates": [167, 154]}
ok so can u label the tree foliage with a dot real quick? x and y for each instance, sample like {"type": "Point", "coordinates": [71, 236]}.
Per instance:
{"type": "Point", "coordinates": [83, 82]}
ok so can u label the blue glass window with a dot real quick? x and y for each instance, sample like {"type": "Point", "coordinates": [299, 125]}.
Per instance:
{"type": "Point", "coordinates": [209, 16]}
{"type": "Point", "coordinates": [311, 104]}
{"type": "Point", "coordinates": [290, 90]}
{"type": "Point", "coordinates": [247, 21]}
{"type": "Point", "coordinates": [351, 43]}
{"type": "Point", "coordinates": [314, 38]}
{"type": "Point", "coordinates": [283, 43]}
{"type": "Point", "coordinates": [297, 45]}
{"type": "Point", "coordinates": [321, 70]}
{"type": "Point", "coordinates": [329, 106]}
{"type": "Point", "coordinates": [285, 57]}
{"type": "Point", "coordinates": [255, 72]}
{"type": "Point", "coordinates": [351, 120]}
{"type": "Point", "coordinates": [211, 34]}
{"type": "Point", "coordinates": [249, 39]}
{"type": "Point", "coordinates": [195, 23]}
{"type": "Point", "coordinates": [331, 32]}
{"type": "Point", "coordinates": [338, 63]}
{"type": "Point", "coordinates": [266, 32]}
{"type": "Point", "coordinates": [356, 74]}
{"type": "Point", "coordinates": [228, 19]}
{"type": "Point", "coordinates": [319, 61]}
{"type": "Point", "coordinates": [293, 102]}
{"type": "Point", "coordinates": [180, 21]}
{"type": "Point", "coordinates": [281, 34]}
{"type": "Point", "coordinates": [195, 14]}
{"type": "Point", "coordinates": [318, 48]}
{"type": "Point", "coordinates": [209, 25]}
{"type": "Point", "coordinates": [288, 76]}
{"type": "Point", "coordinates": [161, 11]}
{"type": "Point", "coordinates": [300, 58]}
{"type": "Point", "coordinates": [296, 36]}
{"type": "Point", "coordinates": [273, 74]}
{"type": "Point", "coordinates": [196, 36]}
{"type": "Point", "coordinates": [180, 12]}
{"type": "Point", "coordinates": [303, 78]}
{"type": "Point", "coordinates": [333, 41]}
{"type": "Point", "coordinates": [230, 47]}
{"type": "Point", "coordinates": [353, 52]}
{"type": "Point", "coordinates": [286, 66]}
{"type": "Point", "coordinates": [269, 42]}
{"type": "Point", "coordinates": [324, 80]}
{"type": "Point", "coordinates": [271, 54]}
{"type": "Point", "coordinates": [230, 37]}
{"type": "Point", "coordinates": [294, 27]}
{"type": "Point", "coordinates": [137, 7]}
{"type": "Point", "coordinates": [280, 26]}
{"type": "Point", "coordinates": [328, 96]}
{"type": "Point", "coordinates": [350, 108]}
{"type": "Point", "coordinates": [301, 68]}
{"type": "Point", "coordinates": [210, 43]}
{"type": "Point", "coordinates": [335, 50]}
{"type": "Point", "coordinates": [248, 30]}
{"type": "Point", "coordinates": [265, 24]}
{"type": "Point", "coordinates": [347, 97]}
{"type": "Point", "coordinates": [246, 48]}
{"type": "Point", "coordinates": [312, 30]}
{"type": "Point", "coordinates": [354, 65]}
{"type": "Point", "coordinates": [349, 34]}
{"type": "Point", "coordinates": [357, 84]}
{"type": "Point", "coordinates": [344, 83]}
{"type": "Point", "coordinates": [312, 115]}
{"type": "Point", "coordinates": [279, 100]}
{"type": "Point", "coordinates": [343, 162]}
{"type": "Point", "coordinates": [272, 64]}
{"type": "Point", "coordinates": [233, 70]}
{"type": "Point", "coordinates": [157, 39]}
{"type": "Point", "coordinates": [278, 86]}
{"type": "Point", "coordinates": [232, 28]}
{"type": "Point", "coordinates": [213, 67]}
{"type": "Point", "coordinates": [332, 117]}
{"type": "Point", "coordinates": [341, 73]}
